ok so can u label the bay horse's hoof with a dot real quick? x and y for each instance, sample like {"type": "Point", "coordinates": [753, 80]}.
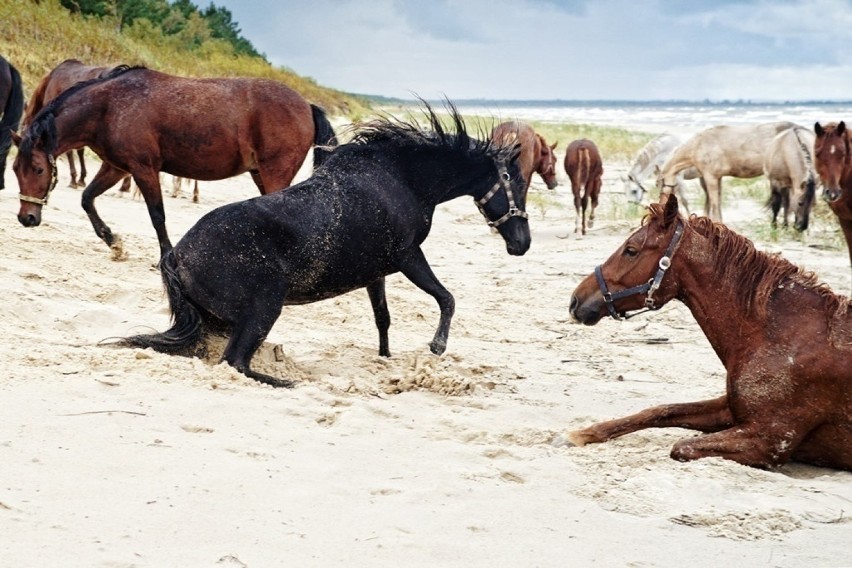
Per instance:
{"type": "Point", "coordinates": [561, 441]}
{"type": "Point", "coordinates": [117, 249]}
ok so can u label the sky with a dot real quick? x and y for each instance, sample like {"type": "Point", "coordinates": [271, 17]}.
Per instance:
{"type": "Point", "coordinates": [759, 50]}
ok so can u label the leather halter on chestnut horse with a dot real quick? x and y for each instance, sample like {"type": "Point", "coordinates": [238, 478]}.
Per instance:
{"type": "Point", "coordinates": [514, 210]}
{"type": "Point", "coordinates": [648, 287]}
{"type": "Point", "coordinates": [54, 179]}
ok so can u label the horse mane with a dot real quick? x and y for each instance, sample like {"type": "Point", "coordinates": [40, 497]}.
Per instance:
{"type": "Point", "coordinates": [755, 274]}
{"type": "Point", "coordinates": [411, 134]}
{"type": "Point", "coordinates": [43, 127]}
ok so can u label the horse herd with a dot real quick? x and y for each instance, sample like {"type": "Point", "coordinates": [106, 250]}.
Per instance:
{"type": "Point", "coordinates": [784, 338]}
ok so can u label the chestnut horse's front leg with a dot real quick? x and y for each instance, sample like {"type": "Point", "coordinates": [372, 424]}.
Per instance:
{"type": "Point", "coordinates": [706, 416]}
{"type": "Point", "coordinates": [416, 269]}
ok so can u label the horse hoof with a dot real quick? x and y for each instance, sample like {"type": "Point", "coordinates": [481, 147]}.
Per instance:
{"type": "Point", "coordinates": [562, 441]}
{"type": "Point", "coordinates": [438, 347]}
{"type": "Point", "coordinates": [117, 249]}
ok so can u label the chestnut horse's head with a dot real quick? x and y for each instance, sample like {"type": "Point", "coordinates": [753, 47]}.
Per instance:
{"type": "Point", "coordinates": [633, 277]}
{"type": "Point", "coordinates": [832, 155]}
{"type": "Point", "coordinates": [35, 168]}
{"type": "Point", "coordinates": [547, 162]}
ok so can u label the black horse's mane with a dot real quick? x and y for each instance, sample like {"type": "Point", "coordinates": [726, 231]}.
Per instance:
{"type": "Point", "coordinates": [43, 126]}
{"type": "Point", "coordinates": [436, 134]}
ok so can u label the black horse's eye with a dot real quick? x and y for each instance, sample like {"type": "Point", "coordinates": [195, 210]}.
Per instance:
{"type": "Point", "coordinates": [506, 176]}
{"type": "Point", "coordinates": [39, 171]}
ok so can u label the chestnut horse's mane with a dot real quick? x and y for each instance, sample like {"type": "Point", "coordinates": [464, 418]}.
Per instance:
{"type": "Point", "coordinates": [756, 274]}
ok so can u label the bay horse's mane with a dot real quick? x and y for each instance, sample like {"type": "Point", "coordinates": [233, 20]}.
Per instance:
{"type": "Point", "coordinates": [755, 274]}
{"type": "Point", "coordinates": [388, 129]}
{"type": "Point", "coordinates": [43, 126]}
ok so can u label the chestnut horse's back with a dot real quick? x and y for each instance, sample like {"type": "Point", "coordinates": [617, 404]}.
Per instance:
{"type": "Point", "coordinates": [584, 167]}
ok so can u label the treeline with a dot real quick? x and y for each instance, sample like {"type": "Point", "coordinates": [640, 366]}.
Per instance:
{"type": "Point", "coordinates": [180, 21]}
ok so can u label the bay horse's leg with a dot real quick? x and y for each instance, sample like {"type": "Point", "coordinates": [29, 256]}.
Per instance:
{"type": "Point", "coordinates": [258, 181]}
{"type": "Point", "coordinates": [80, 153]}
{"type": "Point", "coordinates": [416, 269]}
{"type": "Point", "coordinates": [106, 177]}
{"type": "Point", "coordinates": [148, 182]}
{"type": "Point", "coordinates": [195, 192]}
{"type": "Point", "coordinates": [248, 333]}
{"type": "Point", "coordinates": [125, 185]}
{"type": "Point", "coordinates": [707, 416]}
{"type": "Point", "coordinates": [578, 220]}
{"type": "Point", "coordinates": [713, 204]}
{"type": "Point", "coordinates": [595, 193]}
{"type": "Point", "coordinates": [378, 300]}
{"type": "Point", "coordinates": [72, 167]}
{"type": "Point", "coordinates": [584, 202]}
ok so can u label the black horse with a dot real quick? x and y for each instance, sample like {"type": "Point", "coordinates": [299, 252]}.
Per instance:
{"type": "Point", "coordinates": [361, 217]}
{"type": "Point", "coordinates": [11, 107]}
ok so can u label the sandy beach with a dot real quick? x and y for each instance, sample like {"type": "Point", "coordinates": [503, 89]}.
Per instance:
{"type": "Point", "coordinates": [125, 457]}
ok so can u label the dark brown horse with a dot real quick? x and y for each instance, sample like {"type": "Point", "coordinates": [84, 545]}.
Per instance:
{"type": "Point", "coordinates": [785, 340]}
{"type": "Point", "coordinates": [205, 129]}
{"type": "Point", "coordinates": [11, 106]}
{"type": "Point", "coordinates": [584, 167]}
{"type": "Point", "coordinates": [536, 156]}
{"type": "Point", "coordinates": [63, 76]}
{"type": "Point", "coordinates": [833, 163]}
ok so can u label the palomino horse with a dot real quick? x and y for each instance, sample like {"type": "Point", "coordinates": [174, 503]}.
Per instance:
{"type": "Point", "coordinates": [536, 156]}
{"type": "Point", "coordinates": [785, 340]}
{"type": "Point", "coordinates": [67, 73]}
{"type": "Point", "coordinates": [789, 167]}
{"type": "Point", "coordinates": [647, 165]}
{"type": "Point", "coordinates": [833, 151]}
{"type": "Point", "coordinates": [205, 129]}
{"type": "Point", "coordinates": [584, 168]}
{"type": "Point", "coordinates": [11, 106]}
{"type": "Point", "coordinates": [736, 151]}
{"type": "Point", "coordinates": [359, 218]}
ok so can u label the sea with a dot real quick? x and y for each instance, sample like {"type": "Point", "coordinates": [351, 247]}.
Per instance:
{"type": "Point", "coordinates": [661, 116]}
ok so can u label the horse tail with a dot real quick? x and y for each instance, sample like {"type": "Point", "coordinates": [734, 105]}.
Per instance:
{"type": "Point", "coordinates": [585, 166]}
{"type": "Point", "coordinates": [324, 137]}
{"type": "Point", "coordinates": [12, 112]}
{"type": "Point", "coordinates": [186, 319]}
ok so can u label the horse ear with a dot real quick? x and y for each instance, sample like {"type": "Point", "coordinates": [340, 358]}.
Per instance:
{"type": "Point", "coordinates": [841, 128]}
{"type": "Point", "coordinates": [553, 147]}
{"type": "Point", "coordinates": [818, 129]}
{"type": "Point", "coordinates": [15, 138]}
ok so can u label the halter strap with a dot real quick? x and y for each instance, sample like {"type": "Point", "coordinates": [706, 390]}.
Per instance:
{"type": "Point", "coordinates": [648, 287]}
{"type": "Point", "coordinates": [504, 181]}
{"type": "Point", "coordinates": [54, 179]}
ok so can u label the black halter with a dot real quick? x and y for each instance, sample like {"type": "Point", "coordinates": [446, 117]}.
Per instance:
{"type": "Point", "coordinates": [648, 287]}
{"type": "Point", "coordinates": [505, 181]}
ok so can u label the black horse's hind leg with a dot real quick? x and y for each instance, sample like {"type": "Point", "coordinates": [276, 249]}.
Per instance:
{"type": "Point", "coordinates": [376, 291]}
{"type": "Point", "coordinates": [247, 336]}
{"type": "Point", "coordinates": [416, 269]}
{"type": "Point", "coordinates": [149, 185]}
{"type": "Point", "coordinates": [106, 177]}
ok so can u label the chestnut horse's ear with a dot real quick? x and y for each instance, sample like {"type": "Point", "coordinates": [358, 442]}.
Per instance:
{"type": "Point", "coordinates": [553, 147]}
{"type": "Point", "coordinates": [670, 211]}
{"type": "Point", "coordinates": [819, 129]}
{"type": "Point", "coordinates": [15, 138]}
{"type": "Point", "coordinates": [841, 128]}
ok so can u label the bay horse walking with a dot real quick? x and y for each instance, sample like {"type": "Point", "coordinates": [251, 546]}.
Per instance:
{"type": "Point", "coordinates": [11, 107]}
{"type": "Point", "coordinates": [833, 151]}
{"type": "Point", "coordinates": [784, 339]}
{"type": "Point", "coordinates": [60, 78]}
{"type": "Point", "coordinates": [359, 218]}
{"type": "Point", "coordinates": [536, 156]}
{"type": "Point", "coordinates": [719, 151]}
{"type": "Point", "coordinates": [203, 129]}
{"type": "Point", "coordinates": [584, 167]}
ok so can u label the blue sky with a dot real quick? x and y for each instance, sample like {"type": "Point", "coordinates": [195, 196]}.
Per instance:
{"type": "Point", "coordinates": [561, 49]}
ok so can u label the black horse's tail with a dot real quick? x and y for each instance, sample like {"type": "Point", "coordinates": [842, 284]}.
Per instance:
{"type": "Point", "coordinates": [11, 117]}
{"type": "Point", "coordinates": [324, 137]}
{"type": "Point", "coordinates": [186, 325]}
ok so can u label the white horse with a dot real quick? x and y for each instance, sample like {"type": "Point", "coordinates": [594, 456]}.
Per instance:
{"type": "Point", "coordinates": [789, 166]}
{"type": "Point", "coordinates": [647, 165]}
{"type": "Point", "coordinates": [736, 151]}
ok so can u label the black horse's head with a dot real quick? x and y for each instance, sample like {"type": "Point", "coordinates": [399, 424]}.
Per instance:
{"type": "Point", "coordinates": [503, 203]}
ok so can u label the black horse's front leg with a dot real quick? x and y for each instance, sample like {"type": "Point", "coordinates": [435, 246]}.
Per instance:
{"type": "Point", "coordinates": [379, 301]}
{"type": "Point", "coordinates": [416, 269]}
{"type": "Point", "coordinates": [106, 177]}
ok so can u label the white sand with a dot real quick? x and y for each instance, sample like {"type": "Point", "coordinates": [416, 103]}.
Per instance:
{"type": "Point", "coordinates": [121, 457]}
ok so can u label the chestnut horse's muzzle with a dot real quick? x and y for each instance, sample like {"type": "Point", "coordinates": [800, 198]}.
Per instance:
{"type": "Point", "coordinates": [29, 219]}
{"type": "Point", "coordinates": [832, 194]}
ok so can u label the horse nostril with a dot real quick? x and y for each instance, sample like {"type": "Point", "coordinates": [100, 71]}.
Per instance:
{"type": "Point", "coordinates": [27, 220]}
{"type": "Point", "coordinates": [574, 304]}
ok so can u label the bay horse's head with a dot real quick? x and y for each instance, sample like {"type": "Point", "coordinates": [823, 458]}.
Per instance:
{"type": "Point", "coordinates": [633, 277]}
{"type": "Point", "coordinates": [35, 168]}
{"type": "Point", "coordinates": [504, 205]}
{"type": "Point", "coordinates": [832, 155]}
{"type": "Point", "coordinates": [547, 162]}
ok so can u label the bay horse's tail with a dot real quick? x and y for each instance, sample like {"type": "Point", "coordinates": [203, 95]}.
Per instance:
{"type": "Point", "coordinates": [324, 137]}
{"type": "Point", "coordinates": [584, 168]}
{"type": "Point", "coordinates": [13, 110]}
{"type": "Point", "coordinates": [186, 319]}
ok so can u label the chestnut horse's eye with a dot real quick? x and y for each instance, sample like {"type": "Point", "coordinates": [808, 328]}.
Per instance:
{"type": "Point", "coordinates": [630, 251]}
{"type": "Point", "coordinates": [39, 171]}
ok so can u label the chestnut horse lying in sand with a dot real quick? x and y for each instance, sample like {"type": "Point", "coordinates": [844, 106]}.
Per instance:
{"type": "Point", "coordinates": [536, 156]}
{"type": "Point", "coordinates": [785, 340]}
{"type": "Point", "coordinates": [736, 151]}
{"type": "Point", "coordinates": [60, 78]}
{"type": "Point", "coordinates": [584, 168]}
{"type": "Point", "coordinates": [833, 152]}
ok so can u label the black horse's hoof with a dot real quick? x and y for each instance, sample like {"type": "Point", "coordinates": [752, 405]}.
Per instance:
{"type": "Point", "coordinates": [438, 346]}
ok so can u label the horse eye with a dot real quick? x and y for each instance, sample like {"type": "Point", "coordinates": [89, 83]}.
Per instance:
{"type": "Point", "coordinates": [630, 251]}
{"type": "Point", "coordinates": [39, 171]}
{"type": "Point", "coordinates": [506, 176]}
